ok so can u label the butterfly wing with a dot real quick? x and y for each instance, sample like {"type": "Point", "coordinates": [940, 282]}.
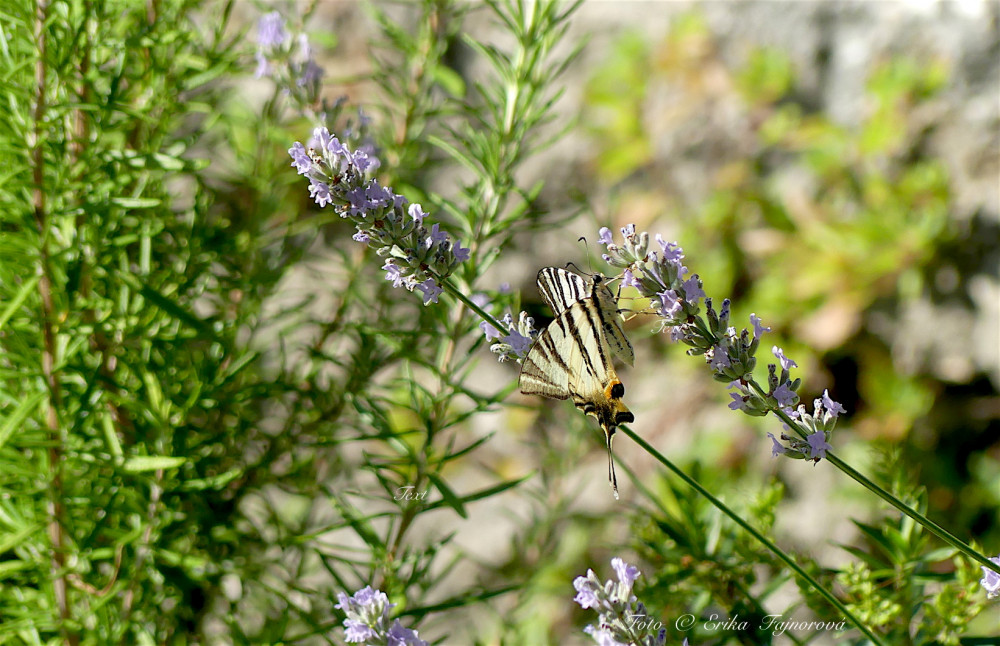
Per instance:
{"type": "Point", "coordinates": [570, 359]}
{"type": "Point", "coordinates": [613, 334]}
{"type": "Point", "coordinates": [561, 288]}
{"type": "Point", "coordinates": [544, 370]}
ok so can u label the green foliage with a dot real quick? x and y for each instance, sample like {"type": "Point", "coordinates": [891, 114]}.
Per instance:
{"type": "Point", "coordinates": [854, 210]}
{"type": "Point", "coordinates": [216, 415]}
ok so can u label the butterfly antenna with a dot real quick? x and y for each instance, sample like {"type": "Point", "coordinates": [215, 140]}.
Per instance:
{"type": "Point", "coordinates": [586, 246]}
{"type": "Point", "coordinates": [611, 464]}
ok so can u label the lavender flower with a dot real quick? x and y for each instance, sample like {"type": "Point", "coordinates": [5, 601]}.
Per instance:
{"type": "Point", "coordinates": [818, 446]}
{"type": "Point", "coordinates": [991, 580]}
{"type": "Point", "coordinates": [515, 345]}
{"type": "Point", "coordinates": [676, 297]}
{"type": "Point", "coordinates": [818, 426]}
{"type": "Point", "coordinates": [416, 259]}
{"type": "Point", "coordinates": [786, 363]}
{"type": "Point", "coordinates": [295, 71]}
{"type": "Point", "coordinates": [758, 326]}
{"type": "Point", "coordinates": [271, 31]}
{"type": "Point", "coordinates": [368, 620]}
{"type": "Point", "coordinates": [491, 332]}
{"type": "Point", "coordinates": [623, 619]}
{"type": "Point", "coordinates": [777, 448]}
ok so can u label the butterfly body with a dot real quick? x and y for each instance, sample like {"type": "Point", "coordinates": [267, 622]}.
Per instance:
{"type": "Point", "coordinates": [572, 357]}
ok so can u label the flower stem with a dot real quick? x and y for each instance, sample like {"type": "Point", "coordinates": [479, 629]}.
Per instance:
{"type": "Point", "coordinates": [774, 549]}
{"type": "Point", "coordinates": [927, 523]}
{"type": "Point", "coordinates": [451, 289]}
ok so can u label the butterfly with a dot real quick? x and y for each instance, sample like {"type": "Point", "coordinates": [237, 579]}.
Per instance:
{"type": "Point", "coordinates": [572, 357]}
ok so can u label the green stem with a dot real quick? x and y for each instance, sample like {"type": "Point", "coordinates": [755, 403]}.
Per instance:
{"type": "Point", "coordinates": [927, 523]}
{"type": "Point", "coordinates": [774, 549]}
{"type": "Point", "coordinates": [451, 289]}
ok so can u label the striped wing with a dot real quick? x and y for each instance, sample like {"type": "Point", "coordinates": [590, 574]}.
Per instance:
{"type": "Point", "coordinates": [561, 288]}
{"type": "Point", "coordinates": [568, 358]}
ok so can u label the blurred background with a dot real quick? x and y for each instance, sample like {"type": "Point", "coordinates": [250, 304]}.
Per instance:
{"type": "Point", "coordinates": [239, 391]}
{"type": "Point", "coordinates": [831, 167]}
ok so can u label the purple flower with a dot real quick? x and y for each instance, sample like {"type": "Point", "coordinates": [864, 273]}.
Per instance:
{"type": "Point", "coordinates": [320, 191]}
{"type": "Point", "coordinates": [361, 236]}
{"type": "Point", "coordinates": [693, 290]}
{"type": "Point", "coordinates": [366, 163]}
{"type": "Point", "coordinates": [358, 199]}
{"type": "Point", "coordinates": [311, 73]}
{"type": "Point", "coordinates": [628, 230]}
{"type": "Point", "coordinates": [738, 402]}
{"type": "Point", "coordinates": [325, 142]}
{"type": "Point", "coordinates": [263, 65]}
{"type": "Point", "coordinates": [490, 331]}
{"type": "Point", "coordinates": [832, 407]}
{"type": "Point", "coordinates": [719, 359]}
{"type": "Point", "coordinates": [629, 279]}
{"type": "Point", "coordinates": [627, 574]}
{"type": "Point", "coordinates": [785, 396]}
{"type": "Point", "coordinates": [367, 616]}
{"type": "Point", "coordinates": [461, 253]}
{"type": "Point", "coordinates": [818, 445]}
{"type": "Point", "coordinates": [400, 636]}
{"type": "Point", "coordinates": [357, 631]}
{"type": "Point", "coordinates": [991, 580]}
{"type": "Point", "coordinates": [670, 304]}
{"type": "Point", "coordinates": [777, 448]}
{"type": "Point", "coordinates": [603, 637]}
{"type": "Point", "coordinates": [271, 31]}
{"type": "Point", "coordinates": [758, 326]}
{"type": "Point", "coordinates": [518, 342]}
{"type": "Point", "coordinates": [430, 289]}
{"type": "Point", "coordinates": [786, 363]}
{"type": "Point", "coordinates": [417, 214]}
{"type": "Point", "coordinates": [437, 236]}
{"type": "Point", "coordinates": [586, 591]}
{"type": "Point", "coordinates": [672, 253]}
{"type": "Point", "coordinates": [392, 272]}
{"type": "Point", "coordinates": [604, 236]}
{"type": "Point", "coordinates": [300, 158]}
{"type": "Point", "coordinates": [378, 196]}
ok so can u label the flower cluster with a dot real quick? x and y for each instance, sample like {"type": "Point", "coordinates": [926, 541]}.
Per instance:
{"type": "Point", "coordinates": [288, 60]}
{"type": "Point", "coordinates": [368, 620]}
{"type": "Point", "coordinates": [623, 619]}
{"type": "Point", "coordinates": [675, 297]}
{"type": "Point", "coordinates": [661, 277]}
{"type": "Point", "coordinates": [513, 346]}
{"type": "Point", "coordinates": [416, 258]}
{"type": "Point", "coordinates": [818, 426]}
{"type": "Point", "coordinates": [781, 388]}
{"type": "Point", "coordinates": [991, 580]}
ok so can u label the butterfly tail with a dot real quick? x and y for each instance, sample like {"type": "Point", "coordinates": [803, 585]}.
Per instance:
{"type": "Point", "coordinates": [612, 478]}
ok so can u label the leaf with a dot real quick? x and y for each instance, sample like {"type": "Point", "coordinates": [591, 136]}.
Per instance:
{"type": "Point", "coordinates": [18, 299]}
{"type": "Point", "coordinates": [14, 421]}
{"type": "Point", "coordinates": [136, 202]}
{"type": "Point", "coordinates": [142, 463]}
{"type": "Point", "coordinates": [203, 327]}
{"type": "Point", "coordinates": [448, 496]}
{"type": "Point", "coordinates": [215, 482]}
{"type": "Point", "coordinates": [449, 80]}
